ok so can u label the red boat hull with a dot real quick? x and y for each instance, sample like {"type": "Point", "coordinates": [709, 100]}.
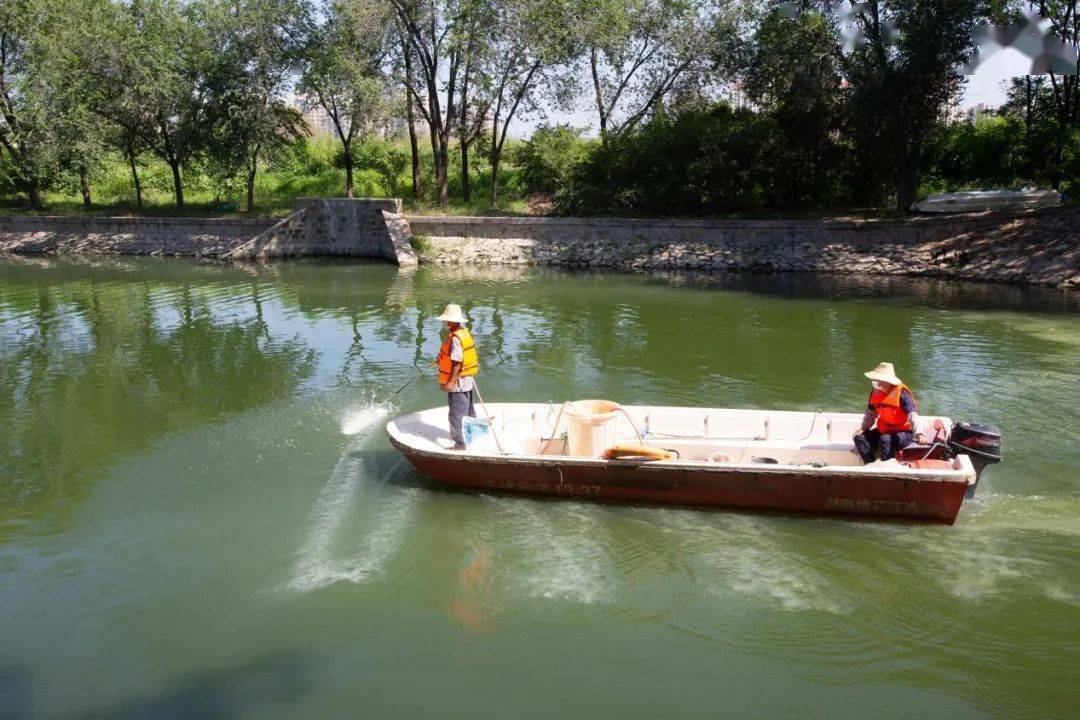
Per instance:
{"type": "Point", "coordinates": [816, 492]}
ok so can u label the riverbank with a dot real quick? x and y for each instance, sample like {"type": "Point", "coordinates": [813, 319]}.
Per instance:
{"type": "Point", "coordinates": [1037, 248]}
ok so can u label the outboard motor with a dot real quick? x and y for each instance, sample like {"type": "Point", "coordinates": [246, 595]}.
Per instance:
{"type": "Point", "coordinates": [981, 443]}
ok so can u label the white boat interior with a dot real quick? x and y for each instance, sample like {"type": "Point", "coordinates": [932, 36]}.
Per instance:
{"type": "Point", "coordinates": [697, 436]}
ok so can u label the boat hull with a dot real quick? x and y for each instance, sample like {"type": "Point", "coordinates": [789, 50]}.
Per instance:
{"type": "Point", "coordinates": [626, 481]}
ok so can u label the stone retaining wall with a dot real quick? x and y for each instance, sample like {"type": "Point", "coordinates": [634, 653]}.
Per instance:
{"type": "Point", "coordinates": [362, 227]}
{"type": "Point", "coordinates": [1041, 247]}
{"type": "Point", "coordinates": [126, 235]}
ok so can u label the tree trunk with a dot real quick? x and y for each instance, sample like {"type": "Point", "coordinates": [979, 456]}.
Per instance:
{"type": "Point", "coordinates": [414, 147]}
{"type": "Point", "coordinates": [33, 191]}
{"type": "Point", "coordinates": [496, 156]}
{"type": "Point", "coordinates": [349, 191]}
{"type": "Point", "coordinates": [178, 187]}
{"type": "Point", "coordinates": [135, 179]}
{"type": "Point", "coordinates": [907, 180]}
{"type": "Point", "coordinates": [84, 186]}
{"type": "Point", "coordinates": [251, 185]}
{"type": "Point", "coordinates": [465, 194]}
{"type": "Point", "coordinates": [593, 61]}
{"type": "Point", "coordinates": [410, 118]}
{"type": "Point", "coordinates": [442, 179]}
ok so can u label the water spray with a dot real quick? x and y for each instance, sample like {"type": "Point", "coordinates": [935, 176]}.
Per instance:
{"type": "Point", "coordinates": [356, 421]}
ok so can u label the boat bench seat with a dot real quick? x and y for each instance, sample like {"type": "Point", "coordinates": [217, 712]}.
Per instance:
{"type": "Point", "coordinates": [741, 426]}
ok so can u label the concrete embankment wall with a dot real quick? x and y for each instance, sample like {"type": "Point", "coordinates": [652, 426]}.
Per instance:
{"type": "Point", "coordinates": [340, 227]}
{"type": "Point", "coordinates": [126, 235]}
{"type": "Point", "coordinates": [362, 227]}
{"type": "Point", "coordinates": [1041, 247]}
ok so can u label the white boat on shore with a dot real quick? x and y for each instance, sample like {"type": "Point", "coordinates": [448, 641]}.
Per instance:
{"type": "Point", "coordinates": [752, 459]}
{"type": "Point", "coordinates": [980, 200]}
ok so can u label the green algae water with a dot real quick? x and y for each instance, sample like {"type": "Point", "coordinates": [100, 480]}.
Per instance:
{"type": "Point", "coordinates": [200, 515]}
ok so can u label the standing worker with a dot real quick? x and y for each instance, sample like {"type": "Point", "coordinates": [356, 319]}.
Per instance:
{"type": "Point", "coordinates": [458, 363]}
{"type": "Point", "coordinates": [892, 417]}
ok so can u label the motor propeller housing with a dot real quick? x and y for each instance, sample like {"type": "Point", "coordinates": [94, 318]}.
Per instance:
{"type": "Point", "coordinates": [981, 443]}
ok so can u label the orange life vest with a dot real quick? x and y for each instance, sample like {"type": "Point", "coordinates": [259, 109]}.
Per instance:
{"type": "Point", "coordinates": [891, 417]}
{"type": "Point", "coordinates": [470, 362]}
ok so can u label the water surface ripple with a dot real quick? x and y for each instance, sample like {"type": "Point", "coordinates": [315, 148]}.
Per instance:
{"type": "Point", "coordinates": [200, 514]}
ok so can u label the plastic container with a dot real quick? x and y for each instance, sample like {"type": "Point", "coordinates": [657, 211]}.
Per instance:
{"type": "Point", "coordinates": [590, 427]}
{"type": "Point", "coordinates": [476, 432]}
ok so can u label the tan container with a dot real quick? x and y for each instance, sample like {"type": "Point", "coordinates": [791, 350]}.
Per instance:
{"type": "Point", "coordinates": [590, 427]}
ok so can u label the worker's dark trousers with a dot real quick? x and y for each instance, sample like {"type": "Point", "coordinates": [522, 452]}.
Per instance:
{"type": "Point", "coordinates": [460, 404]}
{"type": "Point", "coordinates": [872, 440]}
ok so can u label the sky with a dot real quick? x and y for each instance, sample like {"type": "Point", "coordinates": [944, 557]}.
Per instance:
{"type": "Point", "coordinates": [988, 83]}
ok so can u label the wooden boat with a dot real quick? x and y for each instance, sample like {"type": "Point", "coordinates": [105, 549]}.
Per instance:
{"type": "Point", "coordinates": [979, 200]}
{"type": "Point", "coordinates": [797, 462]}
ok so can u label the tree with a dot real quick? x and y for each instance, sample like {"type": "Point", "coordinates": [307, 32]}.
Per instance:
{"type": "Point", "coordinates": [260, 41]}
{"type": "Point", "coordinates": [1053, 101]}
{"type": "Point", "coordinates": [793, 74]}
{"type": "Point", "coordinates": [477, 34]}
{"type": "Point", "coordinates": [1044, 144]}
{"type": "Point", "coordinates": [533, 45]}
{"type": "Point", "coordinates": [408, 80]}
{"type": "Point", "coordinates": [80, 134]}
{"type": "Point", "coordinates": [29, 125]}
{"type": "Point", "coordinates": [641, 51]}
{"type": "Point", "coordinates": [149, 64]}
{"type": "Point", "coordinates": [343, 71]}
{"type": "Point", "coordinates": [434, 30]}
{"type": "Point", "coordinates": [549, 156]}
{"type": "Point", "coordinates": [902, 81]}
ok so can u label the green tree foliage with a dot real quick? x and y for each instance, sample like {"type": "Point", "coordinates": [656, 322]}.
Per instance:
{"type": "Point", "coordinates": [549, 157]}
{"type": "Point", "coordinates": [642, 52]}
{"type": "Point", "coordinates": [793, 75]}
{"type": "Point", "coordinates": [149, 68]}
{"type": "Point", "coordinates": [343, 71]}
{"type": "Point", "coordinates": [705, 159]}
{"type": "Point", "coordinates": [986, 153]}
{"type": "Point", "coordinates": [1051, 103]}
{"type": "Point", "coordinates": [903, 79]}
{"type": "Point", "coordinates": [31, 125]}
{"type": "Point", "coordinates": [260, 43]}
{"type": "Point", "coordinates": [195, 94]}
{"type": "Point", "coordinates": [533, 46]}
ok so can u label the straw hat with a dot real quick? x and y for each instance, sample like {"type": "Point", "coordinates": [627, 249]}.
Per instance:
{"type": "Point", "coordinates": [885, 373]}
{"type": "Point", "coordinates": [453, 314]}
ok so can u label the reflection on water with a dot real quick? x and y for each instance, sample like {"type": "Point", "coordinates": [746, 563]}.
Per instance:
{"type": "Point", "coordinates": [195, 476]}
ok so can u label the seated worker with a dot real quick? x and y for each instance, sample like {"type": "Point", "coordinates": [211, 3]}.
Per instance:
{"type": "Point", "coordinates": [892, 418]}
{"type": "Point", "coordinates": [458, 363]}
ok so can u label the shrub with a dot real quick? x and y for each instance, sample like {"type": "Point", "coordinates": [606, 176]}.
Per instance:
{"type": "Point", "coordinates": [707, 158]}
{"type": "Point", "coordinates": [548, 158]}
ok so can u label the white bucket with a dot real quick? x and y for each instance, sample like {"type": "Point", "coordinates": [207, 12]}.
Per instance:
{"type": "Point", "coordinates": [590, 427]}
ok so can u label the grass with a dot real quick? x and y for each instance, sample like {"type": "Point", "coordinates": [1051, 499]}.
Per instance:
{"type": "Point", "coordinates": [274, 197]}
{"type": "Point", "coordinates": [421, 244]}
{"type": "Point", "coordinates": [311, 170]}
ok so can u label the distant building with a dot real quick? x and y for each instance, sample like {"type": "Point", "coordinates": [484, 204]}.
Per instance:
{"type": "Point", "coordinates": [316, 117]}
{"type": "Point", "coordinates": [980, 110]}
{"type": "Point", "coordinates": [320, 122]}
{"type": "Point", "coordinates": [735, 93]}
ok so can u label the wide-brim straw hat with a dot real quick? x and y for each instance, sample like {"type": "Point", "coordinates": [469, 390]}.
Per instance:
{"type": "Point", "coordinates": [885, 373]}
{"type": "Point", "coordinates": [453, 314]}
